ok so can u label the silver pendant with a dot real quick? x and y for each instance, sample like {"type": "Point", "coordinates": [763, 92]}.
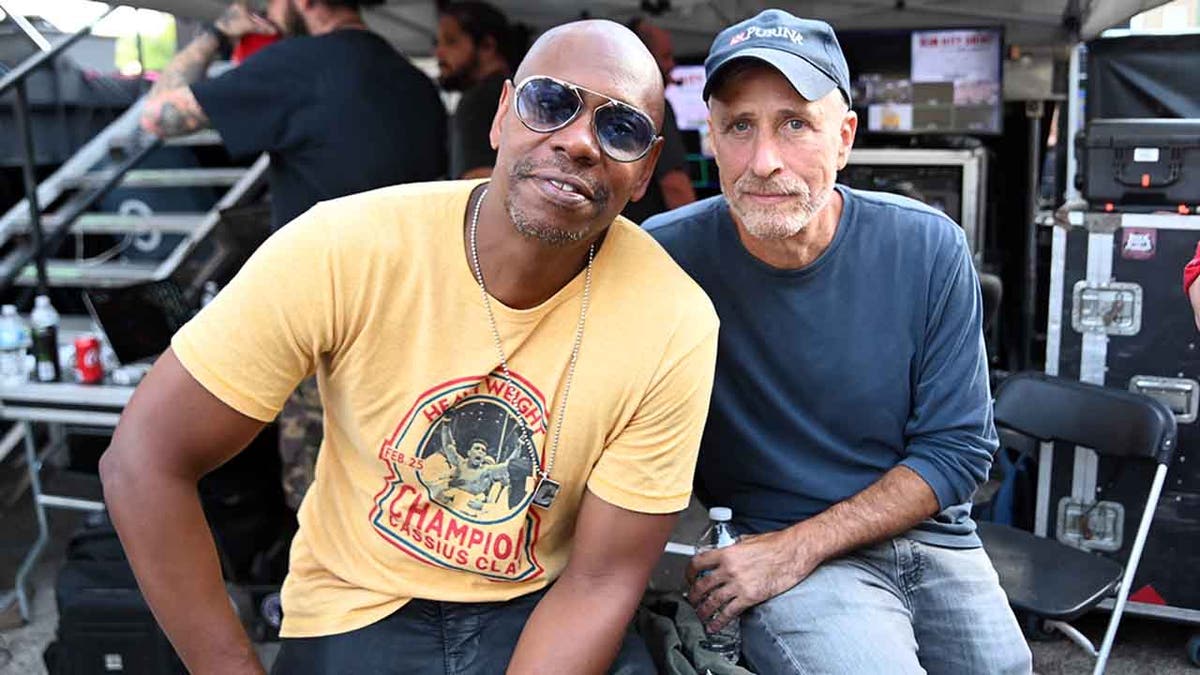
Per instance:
{"type": "Point", "coordinates": [545, 492]}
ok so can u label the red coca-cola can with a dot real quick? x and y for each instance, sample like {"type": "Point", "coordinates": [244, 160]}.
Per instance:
{"type": "Point", "coordinates": [88, 368]}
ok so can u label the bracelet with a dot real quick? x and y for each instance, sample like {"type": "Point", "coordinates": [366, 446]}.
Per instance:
{"type": "Point", "coordinates": [224, 44]}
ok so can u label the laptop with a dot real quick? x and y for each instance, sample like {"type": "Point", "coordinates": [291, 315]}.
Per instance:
{"type": "Point", "coordinates": [139, 320]}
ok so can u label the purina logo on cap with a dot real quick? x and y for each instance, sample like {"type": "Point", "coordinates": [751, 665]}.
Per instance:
{"type": "Point", "coordinates": [777, 32]}
{"type": "Point", "coordinates": [805, 51]}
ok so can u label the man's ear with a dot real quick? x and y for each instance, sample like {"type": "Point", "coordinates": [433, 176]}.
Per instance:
{"type": "Point", "coordinates": [712, 142]}
{"type": "Point", "coordinates": [649, 162]}
{"type": "Point", "coordinates": [847, 132]}
{"type": "Point", "coordinates": [506, 94]}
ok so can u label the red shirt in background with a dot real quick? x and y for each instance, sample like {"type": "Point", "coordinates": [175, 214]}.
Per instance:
{"type": "Point", "coordinates": [1191, 270]}
{"type": "Point", "coordinates": [250, 43]}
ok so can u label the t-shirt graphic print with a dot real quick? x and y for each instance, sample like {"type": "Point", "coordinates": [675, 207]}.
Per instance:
{"type": "Point", "coordinates": [461, 469]}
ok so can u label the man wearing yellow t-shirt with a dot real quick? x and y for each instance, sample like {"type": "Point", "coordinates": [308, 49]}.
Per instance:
{"type": "Point", "coordinates": [514, 382]}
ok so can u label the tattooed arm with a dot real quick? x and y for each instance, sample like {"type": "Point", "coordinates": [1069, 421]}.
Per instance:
{"type": "Point", "coordinates": [171, 109]}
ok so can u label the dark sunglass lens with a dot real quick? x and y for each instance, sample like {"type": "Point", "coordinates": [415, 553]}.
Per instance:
{"type": "Point", "coordinates": [546, 105]}
{"type": "Point", "coordinates": [625, 134]}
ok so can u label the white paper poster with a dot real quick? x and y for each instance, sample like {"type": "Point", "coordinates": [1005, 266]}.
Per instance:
{"type": "Point", "coordinates": [686, 95]}
{"type": "Point", "coordinates": [955, 56]}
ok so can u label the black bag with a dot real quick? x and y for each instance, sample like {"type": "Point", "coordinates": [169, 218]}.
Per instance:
{"type": "Point", "coordinates": [104, 624]}
{"type": "Point", "coordinates": [245, 507]}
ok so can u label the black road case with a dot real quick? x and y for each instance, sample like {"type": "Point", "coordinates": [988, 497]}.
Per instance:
{"type": "Point", "coordinates": [1147, 163]}
{"type": "Point", "coordinates": [1118, 317]}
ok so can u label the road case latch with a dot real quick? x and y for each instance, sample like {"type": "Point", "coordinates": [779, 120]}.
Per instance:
{"type": "Point", "coordinates": [1179, 394]}
{"type": "Point", "coordinates": [1114, 308]}
{"type": "Point", "coordinates": [1096, 526]}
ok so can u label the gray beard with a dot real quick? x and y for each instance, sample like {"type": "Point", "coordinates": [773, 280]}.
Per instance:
{"type": "Point", "coordinates": [779, 226]}
{"type": "Point", "coordinates": [531, 228]}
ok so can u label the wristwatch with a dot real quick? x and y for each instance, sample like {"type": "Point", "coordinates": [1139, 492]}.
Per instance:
{"type": "Point", "coordinates": [224, 44]}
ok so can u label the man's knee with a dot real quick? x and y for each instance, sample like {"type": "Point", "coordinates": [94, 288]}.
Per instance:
{"type": "Point", "coordinates": [964, 623]}
{"type": "Point", "coordinates": [841, 645]}
{"type": "Point", "coordinates": [841, 619]}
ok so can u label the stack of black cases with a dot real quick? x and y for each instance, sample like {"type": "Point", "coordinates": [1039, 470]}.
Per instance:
{"type": "Point", "coordinates": [1118, 317]}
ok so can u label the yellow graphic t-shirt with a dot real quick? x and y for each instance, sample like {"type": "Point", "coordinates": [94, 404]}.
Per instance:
{"type": "Point", "coordinates": [427, 470]}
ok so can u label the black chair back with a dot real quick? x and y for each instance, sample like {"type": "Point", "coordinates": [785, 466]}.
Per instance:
{"type": "Point", "coordinates": [992, 290]}
{"type": "Point", "coordinates": [1112, 422]}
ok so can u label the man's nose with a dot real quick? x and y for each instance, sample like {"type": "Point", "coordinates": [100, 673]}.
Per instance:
{"type": "Point", "coordinates": [578, 140]}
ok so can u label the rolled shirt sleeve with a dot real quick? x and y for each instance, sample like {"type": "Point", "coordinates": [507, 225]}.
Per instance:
{"type": "Point", "coordinates": [950, 433]}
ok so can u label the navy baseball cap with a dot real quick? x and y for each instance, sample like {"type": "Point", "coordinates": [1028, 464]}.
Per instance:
{"type": "Point", "coordinates": [805, 51]}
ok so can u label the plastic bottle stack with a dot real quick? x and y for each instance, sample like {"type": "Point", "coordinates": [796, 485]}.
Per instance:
{"type": "Point", "coordinates": [728, 641]}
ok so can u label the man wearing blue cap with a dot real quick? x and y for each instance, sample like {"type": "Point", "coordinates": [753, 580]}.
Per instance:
{"type": "Point", "coordinates": [851, 416]}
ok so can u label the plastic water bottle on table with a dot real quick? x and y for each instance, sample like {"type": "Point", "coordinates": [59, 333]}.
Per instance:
{"type": "Point", "coordinates": [13, 340]}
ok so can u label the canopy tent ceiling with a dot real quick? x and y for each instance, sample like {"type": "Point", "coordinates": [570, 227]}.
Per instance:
{"type": "Point", "coordinates": [410, 23]}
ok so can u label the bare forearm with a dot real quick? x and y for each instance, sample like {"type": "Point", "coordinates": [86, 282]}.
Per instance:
{"type": "Point", "coordinates": [189, 65]}
{"type": "Point", "coordinates": [577, 627]}
{"type": "Point", "coordinates": [166, 537]}
{"type": "Point", "coordinates": [894, 504]}
{"type": "Point", "coordinates": [725, 582]}
{"type": "Point", "coordinates": [171, 108]}
{"type": "Point", "coordinates": [579, 624]}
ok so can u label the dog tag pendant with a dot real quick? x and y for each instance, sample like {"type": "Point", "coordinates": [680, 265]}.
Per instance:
{"type": "Point", "coordinates": [545, 492]}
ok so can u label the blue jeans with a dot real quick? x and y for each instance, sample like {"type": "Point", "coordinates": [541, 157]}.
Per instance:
{"type": "Point", "coordinates": [438, 638]}
{"type": "Point", "coordinates": [897, 607]}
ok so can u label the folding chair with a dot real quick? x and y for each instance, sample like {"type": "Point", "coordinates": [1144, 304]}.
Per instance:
{"type": "Point", "coordinates": [1044, 577]}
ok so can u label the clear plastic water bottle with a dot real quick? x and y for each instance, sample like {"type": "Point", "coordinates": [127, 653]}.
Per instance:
{"type": "Point", "coordinates": [12, 347]}
{"type": "Point", "coordinates": [728, 641]}
{"type": "Point", "coordinates": [44, 321]}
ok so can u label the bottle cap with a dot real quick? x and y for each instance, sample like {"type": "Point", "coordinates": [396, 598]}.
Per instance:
{"type": "Point", "coordinates": [722, 514]}
{"type": "Point", "coordinates": [41, 301]}
{"type": "Point", "coordinates": [9, 310]}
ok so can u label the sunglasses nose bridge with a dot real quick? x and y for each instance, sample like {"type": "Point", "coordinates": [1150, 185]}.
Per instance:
{"type": "Point", "coordinates": [579, 136]}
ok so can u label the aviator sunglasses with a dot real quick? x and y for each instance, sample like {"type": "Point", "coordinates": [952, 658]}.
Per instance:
{"type": "Point", "coordinates": [545, 105]}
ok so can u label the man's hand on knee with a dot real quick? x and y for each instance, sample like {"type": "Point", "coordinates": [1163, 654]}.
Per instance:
{"type": "Point", "coordinates": [728, 581]}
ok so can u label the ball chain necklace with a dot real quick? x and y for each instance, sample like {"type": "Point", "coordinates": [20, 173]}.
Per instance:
{"type": "Point", "coordinates": [547, 488]}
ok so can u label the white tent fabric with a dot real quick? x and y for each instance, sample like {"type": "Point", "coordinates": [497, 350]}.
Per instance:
{"type": "Point", "coordinates": [410, 24]}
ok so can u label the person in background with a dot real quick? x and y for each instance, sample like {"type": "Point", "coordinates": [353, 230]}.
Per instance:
{"type": "Point", "coordinates": [338, 110]}
{"type": "Point", "coordinates": [1190, 272]}
{"type": "Point", "coordinates": [477, 50]}
{"type": "Point", "coordinates": [672, 187]}
{"type": "Point", "coordinates": [851, 420]}
{"type": "Point", "coordinates": [515, 382]}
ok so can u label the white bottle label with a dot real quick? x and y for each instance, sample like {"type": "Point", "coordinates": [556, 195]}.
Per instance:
{"type": "Point", "coordinates": [725, 538]}
{"type": "Point", "coordinates": [45, 371]}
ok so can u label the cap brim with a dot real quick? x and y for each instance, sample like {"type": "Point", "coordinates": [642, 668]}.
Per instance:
{"type": "Point", "coordinates": [804, 77]}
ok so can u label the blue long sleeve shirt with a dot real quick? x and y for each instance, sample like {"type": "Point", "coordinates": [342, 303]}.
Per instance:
{"type": "Point", "coordinates": [829, 376]}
